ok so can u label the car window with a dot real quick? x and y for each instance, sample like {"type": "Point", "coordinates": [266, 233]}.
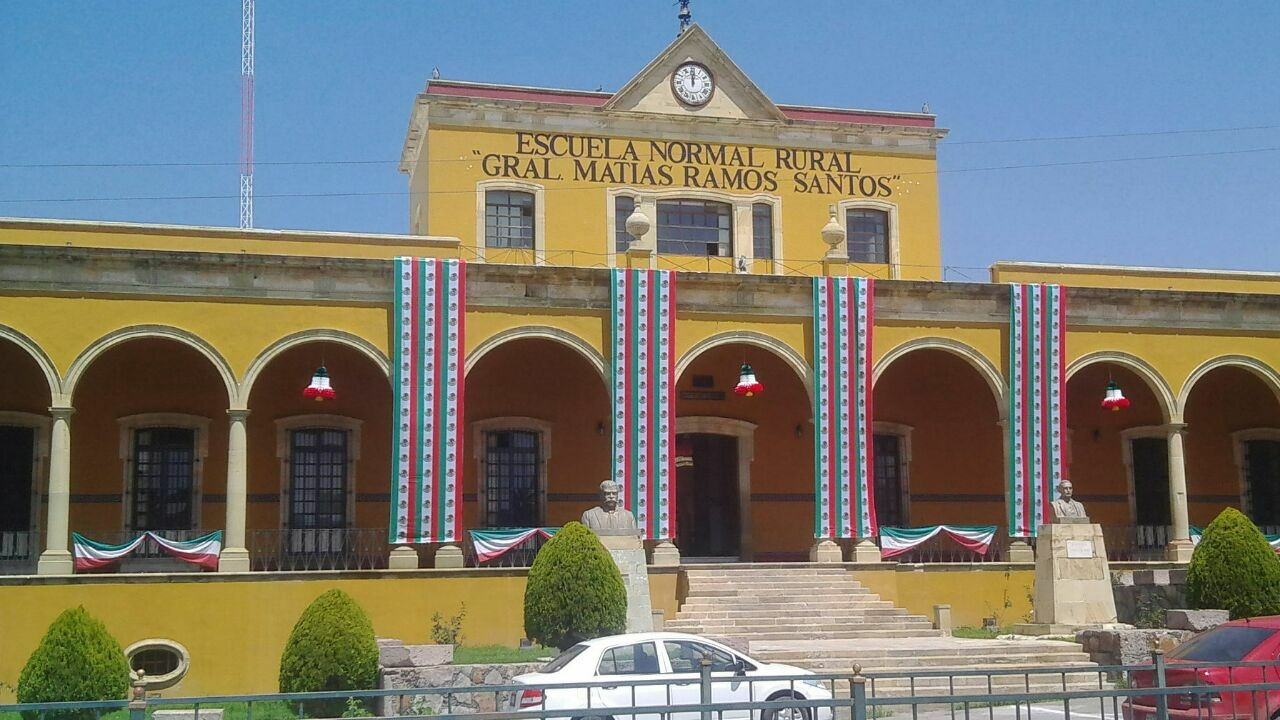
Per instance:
{"type": "Point", "coordinates": [638, 659]}
{"type": "Point", "coordinates": [1222, 644]}
{"type": "Point", "coordinates": [686, 656]}
{"type": "Point", "coordinates": [563, 659]}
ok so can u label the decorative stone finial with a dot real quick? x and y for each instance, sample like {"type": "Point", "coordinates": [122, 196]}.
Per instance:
{"type": "Point", "coordinates": [638, 224]}
{"type": "Point", "coordinates": [832, 233]}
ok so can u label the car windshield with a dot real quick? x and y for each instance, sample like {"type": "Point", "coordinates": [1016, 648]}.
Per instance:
{"type": "Point", "coordinates": [563, 659]}
{"type": "Point", "coordinates": [1222, 644]}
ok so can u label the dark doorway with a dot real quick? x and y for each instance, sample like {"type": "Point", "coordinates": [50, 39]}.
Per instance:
{"type": "Point", "coordinates": [17, 456]}
{"type": "Point", "coordinates": [707, 502]}
{"type": "Point", "coordinates": [1151, 480]}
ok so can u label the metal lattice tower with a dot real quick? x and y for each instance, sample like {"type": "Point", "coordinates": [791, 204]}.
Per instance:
{"type": "Point", "coordinates": [246, 114]}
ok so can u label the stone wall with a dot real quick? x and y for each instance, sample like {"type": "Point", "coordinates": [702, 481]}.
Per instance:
{"type": "Point", "coordinates": [1142, 596]}
{"type": "Point", "coordinates": [1128, 647]}
{"type": "Point", "coordinates": [448, 676]}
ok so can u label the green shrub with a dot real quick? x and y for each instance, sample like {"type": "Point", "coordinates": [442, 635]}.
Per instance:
{"type": "Point", "coordinates": [77, 659]}
{"type": "Point", "coordinates": [331, 648]}
{"type": "Point", "coordinates": [1234, 568]}
{"type": "Point", "coordinates": [574, 592]}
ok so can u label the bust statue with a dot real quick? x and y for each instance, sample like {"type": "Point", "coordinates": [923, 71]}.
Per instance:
{"type": "Point", "coordinates": [1066, 508]}
{"type": "Point", "coordinates": [608, 516]}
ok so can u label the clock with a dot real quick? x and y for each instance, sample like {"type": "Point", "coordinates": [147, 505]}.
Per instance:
{"type": "Point", "coordinates": [692, 84]}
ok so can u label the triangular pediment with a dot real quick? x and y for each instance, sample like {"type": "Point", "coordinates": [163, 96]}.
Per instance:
{"type": "Point", "coordinates": [734, 95]}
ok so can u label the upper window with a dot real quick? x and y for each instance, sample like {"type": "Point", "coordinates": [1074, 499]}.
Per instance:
{"type": "Point", "coordinates": [888, 480]}
{"type": "Point", "coordinates": [512, 465]}
{"type": "Point", "coordinates": [638, 659]}
{"type": "Point", "coordinates": [686, 657]}
{"type": "Point", "coordinates": [695, 227]}
{"type": "Point", "coordinates": [17, 458]}
{"type": "Point", "coordinates": [1262, 480]}
{"type": "Point", "coordinates": [508, 219]}
{"type": "Point", "coordinates": [868, 235]}
{"type": "Point", "coordinates": [623, 206]}
{"type": "Point", "coordinates": [318, 482]}
{"type": "Point", "coordinates": [164, 460]}
{"type": "Point", "coordinates": [1150, 457]}
{"type": "Point", "coordinates": [762, 231]}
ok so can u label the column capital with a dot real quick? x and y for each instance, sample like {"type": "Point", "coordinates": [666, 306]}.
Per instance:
{"type": "Point", "coordinates": [238, 414]}
{"type": "Point", "coordinates": [62, 412]}
{"type": "Point", "coordinates": [1175, 428]}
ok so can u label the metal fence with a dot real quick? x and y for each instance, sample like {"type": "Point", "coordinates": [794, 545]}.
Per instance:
{"type": "Point", "coordinates": [284, 550]}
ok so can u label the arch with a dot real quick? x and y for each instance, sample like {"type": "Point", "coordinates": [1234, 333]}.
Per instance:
{"type": "Point", "coordinates": [755, 339]}
{"type": "Point", "coordinates": [139, 332]}
{"type": "Point", "coordinates": [989, 372]}
{"type": "Point", "coordinates": [304, 337]}
{"type": "Point", "coordinates": [541, 332]}
{"type": "Point", "coordinates": [1261, 370]}
{"type": "Point", "coordinates": [42, 360]}
{"type": "Point", "coordinates": [1155, 381]}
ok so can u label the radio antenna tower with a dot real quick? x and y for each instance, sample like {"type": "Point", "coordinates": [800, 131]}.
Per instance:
{"type": "Point", "coordinates": [686, 16]}
{"type": "Point", "coordinates": [246, 114]}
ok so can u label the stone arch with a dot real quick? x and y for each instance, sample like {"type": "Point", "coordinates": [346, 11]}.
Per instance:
{"type": "Point", "coordinates": [541, 332]}
{"type": "Point", "coordinates": [137, 332]}
{"type": "Point", "coordinates": [784, 351]}
{"type": "Point", "coordinates": [1259, 369]}
{"type": "Point", "coordinates": [42, 360]}
{"type": "Point", "coordinates": [989, 372]}
{"type": "Point", "coordinates": [304, 337]}
{"type": "Point", "coordinates": [1169, 408]}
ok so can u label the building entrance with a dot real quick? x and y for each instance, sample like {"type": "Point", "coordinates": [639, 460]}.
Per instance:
{"type": "Point", "coordinates": [708, 523]}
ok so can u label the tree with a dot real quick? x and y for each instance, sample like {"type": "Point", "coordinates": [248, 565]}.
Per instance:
{"type": "Point", "coordinates": [574, 592]}
{"type": "Point", "coordinates": [1234, 568]}
{"type": "Point", "coordinates": [332, 647]}
{"type": "Point", "coordinates": [76, 660]}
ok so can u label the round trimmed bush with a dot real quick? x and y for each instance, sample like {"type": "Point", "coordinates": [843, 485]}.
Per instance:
{"type": "Point", "coordinates": [77, 659]}
{"type": "Point", "coordinates": [1234, 568]}
{"type": "Point", "coordinates": [331, 648]}
{"type": "Point", "coordinates": [575, 591]}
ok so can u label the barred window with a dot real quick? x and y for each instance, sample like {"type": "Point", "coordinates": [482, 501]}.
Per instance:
{"type": "Point", "coordinates": [163, 478]}
{"type": "Point", "coordinates": [512, 467]}
{"type": "Point", "coordinates": [695, 227]}
{"type": "Point", "coordinates": [868, 235]}
{"type": "Point", "coordinates": [888, 480]}
{"type": "Point", "coordinates": [508, 219]}
{"type": "Point", "coordinates": [318, 478]}
{"type": "Point", "coordinates": [762, 231]}
{"type": "Point", "coordinates": [623, 206]}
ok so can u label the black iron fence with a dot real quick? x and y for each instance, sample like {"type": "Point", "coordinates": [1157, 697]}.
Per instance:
{"type": "Point", "coordinates": [318, 549]}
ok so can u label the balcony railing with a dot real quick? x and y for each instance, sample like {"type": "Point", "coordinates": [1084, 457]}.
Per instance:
{"type": "Point", "coordinates": [18, 552]}
{"type": "Point", "coordinates": [942, 549]}
{"type": "Point", "coordinates": [318, 549]}
{"type": "Point", "coordinates": [1136, 542]}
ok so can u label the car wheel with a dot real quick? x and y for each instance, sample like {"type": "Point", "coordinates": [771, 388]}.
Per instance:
{"type": "Point", "coordinates": [798, 713]}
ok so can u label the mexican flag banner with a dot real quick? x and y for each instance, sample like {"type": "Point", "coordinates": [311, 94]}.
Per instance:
{"type": "Point", "coordinates": [1037, 394]}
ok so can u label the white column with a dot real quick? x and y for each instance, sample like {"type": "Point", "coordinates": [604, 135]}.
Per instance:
{"type": "Point", "coordinates": [1179, 547]}
{"type": "Point", "coordinates": [56, 560]}
{"type": "Point", "coordinates": [235, 556]}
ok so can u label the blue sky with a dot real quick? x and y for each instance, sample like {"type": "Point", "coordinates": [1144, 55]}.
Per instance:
{"type": "Point", "coordinates": [158, 82]}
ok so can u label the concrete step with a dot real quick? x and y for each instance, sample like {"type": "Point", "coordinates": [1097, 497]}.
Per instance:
{"type": "Point", "coordinates": [802, 630]}
{"type": "Point", "coordinates": [889, 614]}
{"type": "Point", "coordinates": [780, 586]}
{"type": "Point", "coordinates": [873, 665]}
{"type": "Point", "coordinates": [917, 656]}
{"type": "Point", "coordinates": [737, 638]}
{"type": "Point", "coordinates": [777, 589]}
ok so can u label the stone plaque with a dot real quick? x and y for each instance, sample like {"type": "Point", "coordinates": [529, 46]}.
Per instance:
{"type": "Point", "coordinates": [1079, 549]}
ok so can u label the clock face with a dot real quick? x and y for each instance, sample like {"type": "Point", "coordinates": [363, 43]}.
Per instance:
{"type": "Point", "coordinates": [692, 83]}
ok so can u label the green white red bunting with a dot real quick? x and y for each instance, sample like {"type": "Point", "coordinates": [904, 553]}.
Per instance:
{"type": "Point", "coordinates": [895, 541]}
{"type": "Point", "coordinates": [843, 315]}
{"type": "Point", "coordinates": [491, 544]}
{"type": "Point", "coordinates": [202, 551]}
{"type": "Point", "coordinates": [642, 325]}
{"type": "Point", "coordinates": [1037, 415]}
{"type": "Point", "coordinates": [426, 486]}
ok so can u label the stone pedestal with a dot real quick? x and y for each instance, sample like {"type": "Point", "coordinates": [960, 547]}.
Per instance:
{"type": "Point", "coordinates": [1073, 581]}
{"type": "Point", "coordinates": [1020, 552]}
{"type": "Point", "coordinates": [1179, 551]}
{"type": "Point", "coordinates": [234, 560]}
{"type": "Point", "coordinates": [826, 551]}
{"type": "Point", "coordinates": [405, 557]}
{"type": "Point", "coordinates": [666, 554]}
{"type": "Point", "coordinates": [449, 556]}
{"type": "Point", "coordinates": [865, 551]}
{"type": "Point", "coordinates": [627, 552]}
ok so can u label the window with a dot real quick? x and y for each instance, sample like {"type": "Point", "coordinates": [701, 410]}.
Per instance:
{"type": "Point", "coordinates": [1150, 468]}
{"type": "Point", "coordinates": [762, 231]}
{"type": "Point", "coordinates": [623, 206]}
{"type": "Point", "coordinates": [1262, 480]}
{"type": "Point", "coordinates": [695, 227]}
{"type": "Point", "coordinates": [638, 659]}
{"type": "Point", "coordinates": [512, 469]}
{"type": "Point", "coordinates": [868, 235]}
{"type": "Point", "coordinates": [17, 458]}
{"type": "Point", "coordinates": [318, 478]}
{"type": "Point", "coordinates": [686, 657]}
{"type": "Point", "coordinates": [164, 662]}
{"type": "Point", "coordinates": [508, 218]}
{"type": "Point", "coordinates": [563, 659]}
{"type": "Point", "coordinates": [888, 480]}
{"type": "Point", "coordinates": [163, 490]}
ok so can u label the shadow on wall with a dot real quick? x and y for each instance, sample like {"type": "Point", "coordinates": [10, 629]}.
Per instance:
{"type": "Point", "coordinates": [1142, 596]}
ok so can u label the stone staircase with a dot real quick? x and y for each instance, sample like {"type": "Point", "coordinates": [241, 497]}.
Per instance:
{"type": "Point", "coordinates": [818, 617]}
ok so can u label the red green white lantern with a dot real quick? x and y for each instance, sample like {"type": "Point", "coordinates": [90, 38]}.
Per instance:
{"type": "Point", "coordinates": [320, 389]}
{"type": "Point", "coordinates": [1115, 401]}
{"type": "Point", "coordinates": [747, 383]}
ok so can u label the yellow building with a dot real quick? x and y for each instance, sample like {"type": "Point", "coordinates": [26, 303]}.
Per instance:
{"type": "Point", "coordinates": [153, 376]}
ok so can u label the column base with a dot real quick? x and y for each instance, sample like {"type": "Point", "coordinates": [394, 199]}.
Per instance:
{"type": "Point", "coordinates": [1020, 552]}
{"type": "Point", "coordinates": [665, 554]}
{"type": "Point", "coordinates": [1179, 551]}
{"type": "Point", "coordinates": [233, 560]}
{"type": "Point", "coordinates": [826, 551]}
{"type": "Point", "coordinates": [449, 556]}
{"type": "Point", "coordinates": [405, 557]}
{"type": "Point", "coordinates": [56, 563]}
{"type": "Point", "coordinates": [639, 257]}
{"type": "Point", "coordinates": [865, 551]}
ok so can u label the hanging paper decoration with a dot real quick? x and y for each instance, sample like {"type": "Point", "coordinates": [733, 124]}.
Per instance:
{"type": "Point", "coordinates": [843, 317]}
{"type": "Point", "coordinates": [426, 487]}
{"type": "Point", "coordinates": [202, 551]}
{"type": "Point", "coordinates": [895, 541]}
{"type": "Point", "coordinates": [747, 383]}
{"type": "Point", "coordinates": [1115, 401]}
{"type": "Point", "coordinates": [1037, 416]}
{"type": "Point", "coordinates": [642, 325]}
{"type": "Point", "coordinates": [491, 544]}
{"type": "Point", "coordinates": [320, 389]}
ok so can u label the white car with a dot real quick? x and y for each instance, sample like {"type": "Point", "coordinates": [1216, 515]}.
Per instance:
{"type": "Point", "coordinates": [675, 659]}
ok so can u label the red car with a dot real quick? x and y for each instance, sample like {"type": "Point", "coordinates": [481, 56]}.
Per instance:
{"type": "Point", "coordinates": [1252, 640]}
